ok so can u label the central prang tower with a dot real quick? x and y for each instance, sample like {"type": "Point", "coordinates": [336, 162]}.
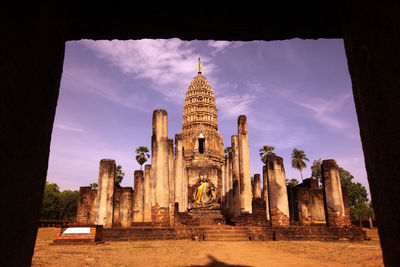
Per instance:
{"type": "Point", "coordinates": [202, 142]}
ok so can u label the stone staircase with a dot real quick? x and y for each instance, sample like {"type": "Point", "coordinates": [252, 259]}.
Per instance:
{"type": "Point", "coordinates": [226, 233]}
{"type": "Point", "coordinates": [257, 218]}
{"type": "Point", "coordinates": [138, 234]}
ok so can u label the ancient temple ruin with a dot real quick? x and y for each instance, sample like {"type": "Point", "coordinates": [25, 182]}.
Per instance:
{"type": "Point", "coordinates": [193, 183]}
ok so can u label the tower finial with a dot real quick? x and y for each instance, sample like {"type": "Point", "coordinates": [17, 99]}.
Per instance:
{"type": "Point", "coordinates": [200, 67]}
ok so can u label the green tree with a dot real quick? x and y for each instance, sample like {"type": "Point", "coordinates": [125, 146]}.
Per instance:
{"type": "Point", "coordinates": [316, 169]}
{"type": "Point", "coordinates": [93, 185]}
{"type": "Point", "coordinates": [68, 204]}
{"type": "Point", "coordinates": [292, 182]}
{"type": "Point", "coordinates": [142, 154]}
{"type": "Point", "coordinates": [264, 151]}
{"type": "Point", "coordinates": [51, 202]}
{"type": "Point", "coordinates": [298, 158]}
{"type": "Point", "coordinates": [119, 175]}
{"type": "Point", "coordinates": [358, 196]}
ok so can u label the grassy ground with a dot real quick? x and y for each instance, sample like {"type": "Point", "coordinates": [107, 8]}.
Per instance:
{"type": "Point", "coordinates": [190, 253]}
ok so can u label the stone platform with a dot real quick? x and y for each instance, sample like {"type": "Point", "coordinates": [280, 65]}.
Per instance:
{"type": "Point", "coordinates": [235, 233]}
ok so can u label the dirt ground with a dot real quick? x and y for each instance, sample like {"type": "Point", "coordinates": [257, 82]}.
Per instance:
{"type": "Point", "coordinates": [191, 253]}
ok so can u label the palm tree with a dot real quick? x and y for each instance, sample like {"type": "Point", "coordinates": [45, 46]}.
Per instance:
{"type": "Point", "coordinates": [119, 175]}
{"type": "Point", "coordinates": [298, 158]}
{"type": "Point", "coordinates": [264, 151]}
{"type": "Point", "coordinates": [142, 154]}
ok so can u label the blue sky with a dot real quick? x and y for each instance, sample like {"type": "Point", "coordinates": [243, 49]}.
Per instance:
{"type": "Point", "coordinates": [295, 94]}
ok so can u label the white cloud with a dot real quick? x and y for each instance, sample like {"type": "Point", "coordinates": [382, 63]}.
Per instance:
{"type": "Point", "coordinates": [91, 80]}
{"type": "Point", "coordinates": [323, 110]}
{"type": "Point", "coordinates": [69, 128]}
{"type": "Point", "coordinates": [167, 63]}
{"type": "Point", "coordinates": [234, 105]}
{"type": "Point", "coordinates": [218, 45]}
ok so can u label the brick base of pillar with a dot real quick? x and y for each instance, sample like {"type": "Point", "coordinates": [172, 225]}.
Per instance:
{"type": "Point", "coordinates": [278, 218]}
{"type": "Point", "coordinates": [160, 216]}
{"type": "Point", "coordinates": [337, 219]}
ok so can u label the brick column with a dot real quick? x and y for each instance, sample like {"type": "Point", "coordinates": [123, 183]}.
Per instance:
{"type": "Point", "coordinates": [257, 186]}
{"type": "Point", "coordinates": [125, 207]}
{"type": "Point", "coordinates": [105, 193]}
{"type": "Point", "coordinates": [265, 191]}
{"type": "Point", "coordinates": [159, 160]}
{"type": "Point", "coordinates": [335, 212]}
{"type": "Point", "coordinates": [277, 191]}
{"type": "Point", "coordinates": [138, 197]}
{"type": "Point", "coordinates": [171, 180]}
{"type": "Point", "coordinates": [235, 176]}
{"type": "Point", "coordinates": [178, 172]}
{"type": "Point", "coordinates": [148, 191]}
{"type": "Point", "coordinates": [246, 195]}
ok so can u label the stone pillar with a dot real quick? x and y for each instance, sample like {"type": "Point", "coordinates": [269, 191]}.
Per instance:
{"type": "Point", "coordinates": [222, 188]}
{"type": "Point", "coordinates": [125, 207]}
{"type": "Point", "coordinates": [178, 172]}
{"type": "Point", "coordinates": [138, 197]}
{"type": "Point", "coordinates": [277, 191]}
{"type": "Point", "coordinates": [335, 212]}
{"type": "Point", "coordinates": [246, 195]}
{"type": "Point", "coordinates": [265, 191]}
{"type": "Point", "coordinates": [147, 192]}
{"type": "Point", "coordinates": [159, 158]}
{"type": "Point", "coordinates": [185, 188]}
{"type": "Point", "coordinates": [257, 186]}
{"type": "Point", "coordinates": [105, 193]}
{"type": "Point", "coordinates": [230, 184]}
{"type": "Point", "coordinates": [235, 176]}
{"type": "Point", "coordinates": [171, 180]}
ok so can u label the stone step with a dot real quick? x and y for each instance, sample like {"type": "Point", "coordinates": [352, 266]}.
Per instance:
{"type": "Point", "coordinates": [226, 238]}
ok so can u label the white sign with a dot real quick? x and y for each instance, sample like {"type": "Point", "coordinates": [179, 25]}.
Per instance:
{"type": "Point", "coordinates": [77, 230]}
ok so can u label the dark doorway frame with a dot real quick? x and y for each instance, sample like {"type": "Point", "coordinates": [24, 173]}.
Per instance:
{"type": "Point", "coordinates": [32, 53]}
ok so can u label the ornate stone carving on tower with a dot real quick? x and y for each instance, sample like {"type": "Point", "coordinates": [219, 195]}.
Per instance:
{"type": "Point", "coordinates": [201, 141]}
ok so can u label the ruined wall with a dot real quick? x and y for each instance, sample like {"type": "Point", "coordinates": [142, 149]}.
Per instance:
{"type": "Point", "coordinates": [86, 212]}
{"type": "Point", "coordinates": [308, 203]}
{"type": "Point", "coordinates": [125, 206]}
{"type": "Point", "coordinates": [116, 207]}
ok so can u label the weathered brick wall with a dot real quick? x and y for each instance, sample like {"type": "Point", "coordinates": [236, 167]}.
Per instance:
{"type": "Point", "coordinates": [258, 217]}
{"type": "Point", "coordinates": [337, 220]}
{"type": "Point", "coordinates": [346, 206]}
{"type": "Point", "coordinates": [116, 206]}
{"type": "Point", "coordinates": [160, 216]}
{"type": "Point", "coordinates": [307, 203]}
{"type": "Point", "coordinates": [86, 205]}
{"type": "Point", "coordinates": [278, 218]}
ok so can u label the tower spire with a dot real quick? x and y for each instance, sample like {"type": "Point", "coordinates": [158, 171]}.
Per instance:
{"type": "Point", "coordinates": [200, 67]}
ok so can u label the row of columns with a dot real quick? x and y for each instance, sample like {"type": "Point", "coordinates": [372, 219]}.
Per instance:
{"type": "Point", "coordinates": [164, 183]}
{"type": "Point", "coordinates": [161, 185]}
{"type": "Point", "coordinates": [276, 197]}
{"type": "Point", "coordinates": [236, 179]}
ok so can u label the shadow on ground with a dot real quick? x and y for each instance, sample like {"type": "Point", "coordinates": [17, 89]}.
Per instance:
{"type": "Point", "coordinates": [216, 263]}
